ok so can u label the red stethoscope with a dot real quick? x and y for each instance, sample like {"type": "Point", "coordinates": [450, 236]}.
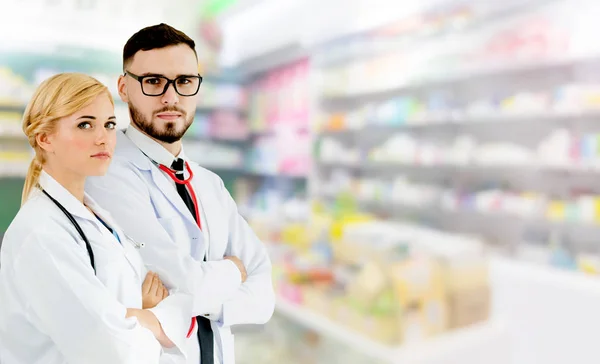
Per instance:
{"type": "Point", "coordinates": [187, 182]}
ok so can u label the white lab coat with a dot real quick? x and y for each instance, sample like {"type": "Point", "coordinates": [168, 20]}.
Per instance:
{"type": "Point", "coordinates": [138, 193]}
{"type": "Point", "coordinates": [55, 310]}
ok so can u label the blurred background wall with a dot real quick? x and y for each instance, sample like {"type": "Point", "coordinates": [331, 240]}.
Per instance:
{"type": "Point", "coordinates": [425, 174]}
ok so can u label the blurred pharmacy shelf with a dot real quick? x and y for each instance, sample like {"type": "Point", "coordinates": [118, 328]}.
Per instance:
{"type": "Point", "coordinates": [465, 120]}
{"type": "Point", "coordinates": [395, 167]}
{"type": "Point", "coordinates": [525, 295]}
{"type": "Point", "coordinates": [540, 216]}
{"type": "Point", "coordinates": [456, 346]}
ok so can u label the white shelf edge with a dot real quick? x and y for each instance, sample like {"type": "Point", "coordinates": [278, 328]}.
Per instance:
{"type": "Point", "coordinates": [445, 343]}
{"type": "Point", "coordinates": [16, 106]}
{"type": "Point", "coordinates": [13, 175]}
{"type": "Point", "coordinates": [13, 136]}
{"type": "Point", "coordinates": [210, 108]}
{"type": "Point", "coordinates": [459, 210]}
{"type": "Point", "coordinates": [543, 274]}
{"type": "Point", "coordinates": [250, 171]}
{"type": "Point", "coordinates": [390, 164]}
{"type": "Point", "coordinates": [325, 326]}
{"type": "Point", "coordinates": [469, 120]}
{"type": "Point", "coordinates": [460, 76]}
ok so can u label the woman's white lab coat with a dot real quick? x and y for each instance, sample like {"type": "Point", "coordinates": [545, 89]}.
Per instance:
{"type": "Point", "coordinates": [55, 310]}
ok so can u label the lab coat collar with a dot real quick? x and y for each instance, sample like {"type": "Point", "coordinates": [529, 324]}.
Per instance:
{"type": "Point", "coordinates": [128, 150]}
{"type": "Point", "coordinates": [65, 198]}
{"type": "Point", "coordinates": [131, 153]}
{"type": "Point", "coordinates": [151, 148]}
{"type": "Point", "coordinates": [101, 213]}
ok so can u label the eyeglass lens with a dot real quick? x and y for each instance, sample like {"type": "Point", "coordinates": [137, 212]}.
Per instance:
{"type": "Point", "coordinates": [186, 86]}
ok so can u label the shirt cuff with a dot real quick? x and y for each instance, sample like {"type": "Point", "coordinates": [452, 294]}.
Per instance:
{"type": "Point", "coordinates": [215, 316]}
{"type": "Point", "coordinates": [232, 277]}
{"type": "Point", "coordinates": [175, 324]}
{"type": "Point", "coordinates": [150, 349]}
{"type": "Point", "coordinates": [234, 273]}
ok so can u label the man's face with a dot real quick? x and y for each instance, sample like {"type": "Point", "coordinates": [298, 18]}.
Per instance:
{"type": "Point", "coordinates": [166, 117]}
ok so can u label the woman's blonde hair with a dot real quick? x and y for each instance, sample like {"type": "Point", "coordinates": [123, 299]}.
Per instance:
{"type": "Point", "coordinates": [57, 97]}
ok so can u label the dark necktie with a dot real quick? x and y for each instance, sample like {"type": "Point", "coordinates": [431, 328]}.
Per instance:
{"type": "Point", "coordinates": [205, 333]}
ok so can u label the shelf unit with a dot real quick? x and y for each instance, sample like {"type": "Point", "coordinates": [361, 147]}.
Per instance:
{"type": "Point", "coordinates": [487, 342]}
{"type": "Point", "coordinates": [459, 89]}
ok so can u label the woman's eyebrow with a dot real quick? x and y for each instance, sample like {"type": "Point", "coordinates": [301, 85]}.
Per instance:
{"type": "Point", "coordinates": [94, 118]}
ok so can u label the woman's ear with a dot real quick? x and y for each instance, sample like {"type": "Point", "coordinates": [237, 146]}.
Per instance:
{"type": "Point", "coordinates": [122, 88]}
{"type": "Point", "coordinates": [44, 141]}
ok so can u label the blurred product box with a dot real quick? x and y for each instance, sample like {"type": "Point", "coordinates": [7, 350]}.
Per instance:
{"type": "Point", "coordinates": [362, 242]}
{"type": "Point", "coordinates": [420, 291]}
{"type": "Point", "coordinates": [391, 282]}
{"type": "Point", "coordinates": [468, 306]}
{"type": "Point", "coordinates": [438, 281]}
{"type": "Point", "coordinates": [465, 272]}
{"type": "Point", "coordinates": [318, 298]}
{"type": "Point", "coordinates": [265, 229]}
{"type": "Point", "coordinates": [589, 263]}
{"type": "Point", "coordinates": [381, 328]}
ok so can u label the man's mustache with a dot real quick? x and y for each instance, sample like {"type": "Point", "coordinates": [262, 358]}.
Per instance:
{"type": "Point", "coordinates": [171, 109]}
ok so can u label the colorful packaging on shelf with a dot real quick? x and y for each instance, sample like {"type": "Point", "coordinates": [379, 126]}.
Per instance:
{"type": "Point", "coordinates": [420, 290]}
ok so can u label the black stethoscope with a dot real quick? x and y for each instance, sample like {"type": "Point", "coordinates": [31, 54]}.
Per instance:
{"type": "Point", "coordinates": [88, 246]}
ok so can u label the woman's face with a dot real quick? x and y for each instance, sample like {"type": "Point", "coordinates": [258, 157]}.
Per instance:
{"type": "Point", "coordinates": [84, 142]}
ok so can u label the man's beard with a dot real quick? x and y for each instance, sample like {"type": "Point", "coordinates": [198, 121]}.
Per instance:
{"type": "Point", "coordinates": [167, 134]}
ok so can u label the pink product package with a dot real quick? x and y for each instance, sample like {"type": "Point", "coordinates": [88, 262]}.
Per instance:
{"type": "Point", "coordinates": [272, 85]}
{"type": "Point", "coordinates": [294, 157]}
{"type": "Point", "coordinates": [290, 292]}
{"type": "Point", "coordinates": [284, 95]}
{"type": "Point", "coordinates": [301, 92]}
{"type": "Point", "coordinates": [228, 125]}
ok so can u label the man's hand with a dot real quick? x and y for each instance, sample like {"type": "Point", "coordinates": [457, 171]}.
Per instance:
{"type": "Point", "coordinates": [153, 291]}
{"type": "Point", "coordinates": [240, 266]}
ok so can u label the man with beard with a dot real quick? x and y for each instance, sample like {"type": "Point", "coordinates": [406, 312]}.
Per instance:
{"type": "Point", "coordinates": [182, 212]}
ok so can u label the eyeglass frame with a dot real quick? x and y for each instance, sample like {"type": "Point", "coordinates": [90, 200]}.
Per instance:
{"type": "Point", "coordinates": [140, 79]}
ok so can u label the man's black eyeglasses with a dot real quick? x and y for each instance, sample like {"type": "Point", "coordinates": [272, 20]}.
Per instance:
{"type": "Point", "coordinates": [157, 85]}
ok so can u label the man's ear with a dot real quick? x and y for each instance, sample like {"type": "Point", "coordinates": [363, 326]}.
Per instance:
{"type": "Point", "coordinates": [122, 88]}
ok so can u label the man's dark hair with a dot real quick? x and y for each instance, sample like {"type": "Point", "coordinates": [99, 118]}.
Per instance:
{"type": "Point", "coordinates": [155, 37]}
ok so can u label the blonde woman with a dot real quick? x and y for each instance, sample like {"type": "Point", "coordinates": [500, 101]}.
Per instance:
{"type": "Point", "coordinates": [73, 288]}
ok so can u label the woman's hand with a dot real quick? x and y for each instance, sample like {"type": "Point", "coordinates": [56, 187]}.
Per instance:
{"type": "Point", "coordinates": [153, 291]}
{"type": "Point", "coordinates": [147, 319]}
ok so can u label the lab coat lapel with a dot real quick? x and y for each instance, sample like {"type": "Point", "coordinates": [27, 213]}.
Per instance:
{"type": "Point", "coordinates": [203, 195]}
{"type": "Point", "coordinates": [122, 236]}
{"type": "Point", "coordinates": [63, 196]}
{"type": "Point", "coordinates": [165, 185]}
